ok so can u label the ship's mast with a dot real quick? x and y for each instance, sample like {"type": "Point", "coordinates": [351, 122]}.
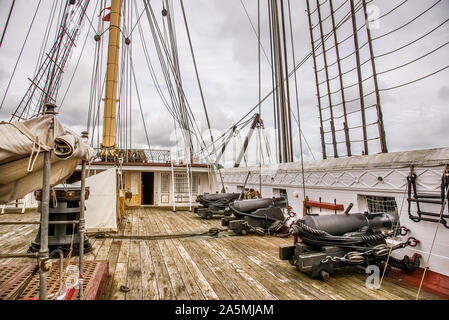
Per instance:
{"type": "Point", "coordinates": [108, 144]}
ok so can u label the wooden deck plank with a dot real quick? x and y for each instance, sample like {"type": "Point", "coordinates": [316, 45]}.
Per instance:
{"type": "Point", "coordinates": [218, 268]}
{"type": "Point", "coordinates": [318, 288]}
{"type": "Point", "coordinates": [125, 247]}
{"type": "Point", "coordinates": [169, 282]}
{"type": "Point", "coordinates": [162, 274]}
{"type": "Point", "coordinates": [199, 257]}
{"type": "Point", "coordinates": [203, 284]}
{"type": "Point", "coordinates": [259, 289]}
{"type": "Point", "coordinates": [246, 290]}
{"type": "Point", "coordinates": [103, 252]}
{"type": "Point", "coordinates": [177, 283]}
{"type": "Point", "coordinates": [354, 282]}
{"type": "Point", "coordinates": [270, 261]}
{"type": "Point", "coordinates": [265, 277]}
{"type": "Point", "coordinates": [190, 284]}
{"type": "Point", "coordinates": [95, 248]}
{"type": "Point", "coordinates": [134, 281]}
{"type": "Point", "coordinates": [149, 282]}
{"type": "Point", "coordinates": [211, 277]}
{"type": "Point", "coordinates": [224, 267]}
{"type": "Point", "coordinates": [119, 279]}
{"type": "Point", "coordinates": [112, 261]}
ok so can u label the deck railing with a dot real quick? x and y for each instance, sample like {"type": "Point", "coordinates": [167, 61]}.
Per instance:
{"type": "Point", "coordinates": [136, 156]}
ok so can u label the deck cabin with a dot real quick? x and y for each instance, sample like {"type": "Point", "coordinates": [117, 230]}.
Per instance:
{"type": "Point", "coordinates": [153, 178]}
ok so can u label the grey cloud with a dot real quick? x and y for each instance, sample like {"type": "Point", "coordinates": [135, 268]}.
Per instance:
{"type": "Point", "coordinates": [226, 52]}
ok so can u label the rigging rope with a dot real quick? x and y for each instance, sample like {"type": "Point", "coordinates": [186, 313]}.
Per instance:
{"type": "Point", "coordinates": [297, 103]}
{"type": "Point", "coordinates": [20, 54]}
{"type": "Point", "coordinates": [360, 28]}
{"type": "Point", "coordinates": [386, 71]}
{"type": "Point", "coordinates": [256, 33]}
{"type": "Point", "coordinates": [78, 61]}
{"type": "Point", "coordinates": [7, 22]}
{"type": "Point", "coordinates": [297, 66]}
{"type": "Point", "coordinates": [201, 90]}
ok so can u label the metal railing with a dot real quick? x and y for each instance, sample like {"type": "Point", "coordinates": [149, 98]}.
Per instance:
{"type": "Point", "coordinates": [136, 156]}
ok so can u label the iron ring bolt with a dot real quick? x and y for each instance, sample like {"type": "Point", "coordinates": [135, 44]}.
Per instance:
{"type": "Point", "coordinates": [412, 242]}
{"type": "Point", "coordinates": [403, 230]}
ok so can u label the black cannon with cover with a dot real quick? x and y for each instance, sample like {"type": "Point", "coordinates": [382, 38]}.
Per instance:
{"type": "Point", "coordinates": [262, 216]}
{"type": "Point", "coordinates": [325, 243]}
{"type": "Point", "coordinates": [215, 204]}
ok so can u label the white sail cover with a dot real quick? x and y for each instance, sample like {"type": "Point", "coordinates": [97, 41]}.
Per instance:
{"type": "Point", "coordinates": [101, 207]}
{"type": "Point", "coordinates": [21, 155]}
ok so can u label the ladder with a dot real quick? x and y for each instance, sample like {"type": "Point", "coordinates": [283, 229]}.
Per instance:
{"type": "Point", "coordinates": [425, 198]}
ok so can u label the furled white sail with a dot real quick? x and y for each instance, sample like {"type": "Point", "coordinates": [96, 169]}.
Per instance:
{"type": "Point", "coordinates": [21, 154]}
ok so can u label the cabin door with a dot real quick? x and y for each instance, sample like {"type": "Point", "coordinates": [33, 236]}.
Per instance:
{"type": "Point", "coordinates": [148, 188]}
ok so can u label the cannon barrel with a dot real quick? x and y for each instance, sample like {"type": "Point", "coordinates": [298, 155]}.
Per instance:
{"type": "Point", "coordinates": [219, 196]}
{"type": "Point", "coordinates": [340, 224]}
{"type": "Point", "coordinates": [252, 205]}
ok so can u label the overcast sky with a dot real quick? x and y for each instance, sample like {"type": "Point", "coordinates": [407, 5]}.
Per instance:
{"type": "Point", "coordinates": [415, 116]}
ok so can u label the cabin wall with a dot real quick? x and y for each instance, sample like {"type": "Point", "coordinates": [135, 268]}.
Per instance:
{"type": "Point", "coordinates": [163, 187]}
{"type": "Point", "coordinates": [133, 183]}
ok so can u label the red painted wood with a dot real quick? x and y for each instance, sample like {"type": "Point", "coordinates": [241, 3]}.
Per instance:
{"type": "Point", "coordinates": [325, 205]}
{"type": "Point", "coordinates": [97, 285]}
{"type": "Point", "coordinates": [95, 289]}
{"type": "Point", "coordinates": [434, 282]}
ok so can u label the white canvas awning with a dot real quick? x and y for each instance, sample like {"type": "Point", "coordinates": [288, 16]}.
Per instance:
{"type": "Point", "coordinates": [21, 155]}
{"type": "Point", "coordinates": [101, 207]}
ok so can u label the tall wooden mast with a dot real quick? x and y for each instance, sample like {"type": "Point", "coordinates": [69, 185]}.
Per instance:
{"type": "Point", "coordinates": [108, 144]}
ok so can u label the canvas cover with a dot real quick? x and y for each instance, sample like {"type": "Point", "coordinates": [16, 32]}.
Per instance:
{"type": "Point", "coordinates": [101, 207]}
{"type": "Point", "coordinates": [21, 155]}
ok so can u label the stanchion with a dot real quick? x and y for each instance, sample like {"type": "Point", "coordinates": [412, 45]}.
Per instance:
{"type": "Point", "coordinates": [84, 135]}
{"type": "Point", "coordinates": [43, 250]}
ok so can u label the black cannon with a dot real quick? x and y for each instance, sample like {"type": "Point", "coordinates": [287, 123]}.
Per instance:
{"type": "Point", "coordinates": [329, 242]}
{"type": "Point", "coordinates": [215, 204]}
{"type": "Point", "coordinates": [262, 216]}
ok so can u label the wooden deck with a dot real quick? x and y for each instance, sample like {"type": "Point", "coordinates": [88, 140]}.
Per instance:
{"type": "Point", "coordinates": [224, 267]}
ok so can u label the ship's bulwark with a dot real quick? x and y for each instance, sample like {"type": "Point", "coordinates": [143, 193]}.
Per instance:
{"type": "Point", "coordinates": [358, 180]}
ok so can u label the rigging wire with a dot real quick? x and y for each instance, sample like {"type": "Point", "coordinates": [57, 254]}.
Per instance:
{"type": "Point", "coordinates": [416, 80]}
{"type": "Point", "coordinates": [7, 22]}
{"type": "Point", "coordinates": [201, 90]}
{"type": "Point", "coordinates": [78, 61]}
{"type": "Point", "coordinates": [20, 54]}
{"type": "Point", "coordinates": [256, 33]}
{"type": "Point", "coordinates": [297, 66]}
{"type": "Point", "coordinates": [297, 103]}
{"type": "Point", "coordinates": [46, 35]}
{"type": "Point", "coordinates": [360, 28]}
{"type": "Point", "coordinates": [389, 52]}
{"type": "Point", "coordinates": [378, 37]}
{"type": "Point", "coordinates": [175, 111]}
{"type": "Point", "coordinates": [140, 105]}
{"type": "Point", "coordinates": [409, 22]}
{"type": "Point", "coordinates": [327, 17]}
{"type": "Point", "coordinates": [387, 71]}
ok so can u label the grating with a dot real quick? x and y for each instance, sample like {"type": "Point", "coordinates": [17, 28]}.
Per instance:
{"type": "Point", "coordinates": [12, 276]}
